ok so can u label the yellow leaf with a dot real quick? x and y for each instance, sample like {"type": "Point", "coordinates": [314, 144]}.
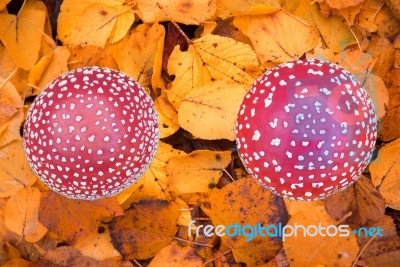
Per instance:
{"type": "Point", "coordinates": [339, 4]}
{"type": "Point", "coordinates": [209, 111]}
{"type": "Point", "coordinates": [198, 171]}
{"type": "Point", "coordinates": [385, 170]}
{"type": "Point", "coordinates": [183, 11]}
{"type": "Point", "coordinates": [15, 173]}
{"type": "Point", "coordinates": [22, 34]}
{"type": "Point", "coordinates": [49, 67]}
{"type": "Point", "coordinates": [230, 8]}
{"type": "Point", "coordinates": [21, 215]}
{"type": "Point", "coordinates": [277, 37]}
{"type": "Point", "coordinates": [153, 184]}
{"type": "Point", "coordinates": [209, 57]}
{"type": "Point", "coordinates": [334, 32]}
{"type": "Point", "coordinates": [318, 250]}
{"type": "Point", "coordinates": [97, 245]}
{"type": "Point", "coordinates": [144, 229]}
{"type": "Point", "coordinates": [167, 116]}
{"type": "Point", "coordinates": [245, 202]}
{"type": "Point", "coordinates": [93, 22]}
{"type": "Point", "coordinates": [10, 101]}
{"type": "Point", "coordinates": [138, 57]}
{"type": "Point", "coordinates": [176, 256]}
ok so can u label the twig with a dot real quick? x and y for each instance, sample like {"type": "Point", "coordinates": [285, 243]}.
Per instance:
{"type": "Point", "coordinates": [193, 242]}
{"type": "Point", "coordinates": [213, 259]}
{"type": "Point", "coordinates": [362, 250]}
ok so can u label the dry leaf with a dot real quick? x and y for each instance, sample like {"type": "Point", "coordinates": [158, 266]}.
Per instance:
{"type": "Point", "coordinates": [335, 34]}
{"type": "Point", "coordinates": [361, 199]}
{"type": "Point", "coordinates": [229, 8]}
{"type": "Point", "coordinates": [15, 173]}
{"type": "Point", "coordinates": [339, 4]}
{"type": "Point", "coordinates": [183, 11]}
{"type": "Point", "coordinates": [390, 127]}
{"type": "Point", "coordinates": [210, 111]}
{"type": "Point", "coordinates": [383, 53]}
{"type": "Point", "coordinates": [49, 67]}
{"type": "Point", "coordinates": [93, 22]}
{"type": "Point", "coordinates": [154, 183]}
{"type": "Point", "coordinates": [138, 57]}
{"type": "Point", "coordinates": [167, 116]}
{"type": "Point", "coordinates": [198, 171]}
{"type": "Point", "coordinates": [144, 229]}
{"type": "Point", "coordinates": [394, 5]}
{"type": "Point", "coordinates": [67, 256]}
{"type": "Point", "coordinates": [176, 256]}
{"type": "Point", "coordinates": [97, 245]}
{"type": "Point", "coordinates": [72, 219]}
{"type": "Point", "coordinates": [22, 34]}
{"type": "Point", "coordinates": [382, 246]}
{"type": "Point", "coordinates": [277, 37]}
{"type": "Point", "coordinates": [21, 215]}
{"type": "Point", "coordinates": [245, 202]}
{"type": "Point", "coordinates": [10, 112]}
{"type": "Point", "coordinates": [385, 171]}
{"type": "Point", "coordinates": [318, 250]}
{"type": "Point", "coordinates": [209, 57]}
{"type": "Point", "coordinates": [3, 4]}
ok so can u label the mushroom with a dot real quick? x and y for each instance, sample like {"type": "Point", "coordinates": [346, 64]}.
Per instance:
{"type": "Point", "coordinates": [306, 129]}
{"type": "Point", "coordinates": [91, 133]}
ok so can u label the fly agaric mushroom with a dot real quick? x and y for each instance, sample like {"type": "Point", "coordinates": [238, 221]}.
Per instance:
{"type": "Point", "coordinates": [306, 129]}
{"type": "Point", "coordinates": [91, 133]}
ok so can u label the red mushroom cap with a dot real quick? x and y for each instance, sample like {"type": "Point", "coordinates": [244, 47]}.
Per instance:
{"type": "Point", "coordinates": [306, 129]}
{"type": "Point", "coordinates": [91, 133]}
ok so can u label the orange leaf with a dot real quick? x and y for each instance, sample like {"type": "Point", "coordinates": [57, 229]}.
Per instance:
{"type": "Point", "coordinates": [71, 219]}
{"type": "Point", "coordinates": [21, 215]}
{"type": "Point", "coordinates": [144, 229]}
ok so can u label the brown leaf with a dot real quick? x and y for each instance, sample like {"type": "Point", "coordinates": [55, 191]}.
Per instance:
{"type": "Point", "coordinates": [144, 229]}
{"type": "Point", "coordinates": [70, 257]}
{"type": "Point", "coordinates": [245, 202]}
{"type": "Point", "coordinates": [176, 256]}
{"type": "Point", "coordinates": [71, 219]}
{"type": "Point", "coordinates": [361, 199]}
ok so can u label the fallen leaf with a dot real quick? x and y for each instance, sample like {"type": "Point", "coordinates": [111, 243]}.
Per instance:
{"type": "Point", "coordinates": [383, 54]}
{"type": "Point", "coordinates": [198, 171]}
{"type": "Point", "coordinates": [245, 202]}
{"type": "Point", "coordinates": [381, 247]}
{"type": "Point", "coordinates": [176, 256]}
{"type": "Point", "coordinates": [138, 57]}
{"type": "Point", "coordinates": [144, 229]}
{"type": "Point", "coordinates": [385, 171]}
{"type": "Point", "coordinates": [22, 34]}
{"type": "Point", "coordinates": [97, 245]}
{"type": "Point", "coordinates": [3, 4]}
{"type": "Point", "coordinates": [230, 8]}
{"type": "Point", "coordinates": [209, 112]}
{"type": "Point", "coordinates": [361, 199]}
{"type": "Point", "coordinates": [335, 33]}
{"type": "Point", "coordinates": [183, 11]}
{"type": "Point", "coordinates": [21, 215]}
{"type": "Point", "coordinates": [209, 57]}
{"type": "Point", "coordinates": [167, 116]}
{"type": "Point", "coordinates": [317, 249]}
{"type": "Point", "coordinates": [154, 183]}
{"type": "Point", "coordinates": [394, 5]}
{"type": "Point", "coordinates": [68, 256]}
{"type": "Point", "coordinates": [277, 37]}
{"type": "Point", "coordinates": [339, 4]}
{"type": "Point", "coordinates": [93, 22]}
{"type": "Point", "coordinates": [49, 67]}
{"type": "Point", "coordinates": [390, 129]}
{"type": "Point", "coordinates": [15, 173]}
{"type": "Point", "coordinates": [71, 219]}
